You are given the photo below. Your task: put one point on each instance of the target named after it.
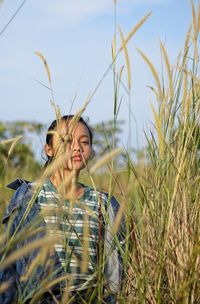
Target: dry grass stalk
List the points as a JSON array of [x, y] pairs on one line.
[[40, 259], [84, 265], [128, 66], [155, 75], [47, 287], [27, 249], [195, 31], [13, 142], [133, 31], [4, 287], [45, 65], [105, 159], [169, 72], [158, 124], [198, 19], [118, 219]]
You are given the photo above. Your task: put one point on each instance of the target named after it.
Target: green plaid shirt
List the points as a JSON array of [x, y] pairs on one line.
[[78, 229]]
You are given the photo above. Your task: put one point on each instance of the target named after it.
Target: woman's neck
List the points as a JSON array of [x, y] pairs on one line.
[[66, 182]]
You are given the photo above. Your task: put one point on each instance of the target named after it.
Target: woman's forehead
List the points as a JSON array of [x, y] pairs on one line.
[[78, 128]]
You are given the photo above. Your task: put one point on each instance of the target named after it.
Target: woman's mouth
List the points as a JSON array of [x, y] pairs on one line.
[[77, 158]]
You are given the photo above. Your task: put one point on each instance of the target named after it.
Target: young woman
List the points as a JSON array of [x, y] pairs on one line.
[[63, 229]]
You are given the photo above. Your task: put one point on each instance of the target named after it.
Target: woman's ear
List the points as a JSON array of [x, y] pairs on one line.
[[48, 150]]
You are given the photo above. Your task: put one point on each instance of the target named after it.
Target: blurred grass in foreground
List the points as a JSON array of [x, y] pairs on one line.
[[160, 196]]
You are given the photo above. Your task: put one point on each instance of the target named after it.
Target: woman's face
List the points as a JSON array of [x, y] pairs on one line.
[[72, 141]]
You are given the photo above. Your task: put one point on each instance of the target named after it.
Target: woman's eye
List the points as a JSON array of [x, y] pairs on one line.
[[85, 142], [62, 139], [69, 140]]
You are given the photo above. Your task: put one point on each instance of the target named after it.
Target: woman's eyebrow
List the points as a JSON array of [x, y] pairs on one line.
[[84, 135]]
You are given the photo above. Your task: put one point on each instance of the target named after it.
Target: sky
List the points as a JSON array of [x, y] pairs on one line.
[[75, 38]]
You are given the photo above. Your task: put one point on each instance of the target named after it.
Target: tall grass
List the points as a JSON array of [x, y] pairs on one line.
[[159, 199], [164, 262]]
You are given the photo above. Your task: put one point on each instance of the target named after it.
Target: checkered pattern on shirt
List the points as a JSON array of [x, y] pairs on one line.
[[77, 226]]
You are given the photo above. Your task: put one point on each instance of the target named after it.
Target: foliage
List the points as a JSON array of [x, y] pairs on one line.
[[17, 158], [104, 136]]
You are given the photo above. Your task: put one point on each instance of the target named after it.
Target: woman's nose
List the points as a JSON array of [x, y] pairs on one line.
[[76, 146]]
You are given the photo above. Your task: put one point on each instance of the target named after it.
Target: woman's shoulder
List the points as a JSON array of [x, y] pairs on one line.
[[17, 183], [108, 199], [22, 192]]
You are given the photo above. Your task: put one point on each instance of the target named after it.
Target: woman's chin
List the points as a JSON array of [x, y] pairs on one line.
[[77, 166]]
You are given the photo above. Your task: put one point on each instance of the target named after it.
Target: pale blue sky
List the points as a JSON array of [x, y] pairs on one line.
[[75, 37]]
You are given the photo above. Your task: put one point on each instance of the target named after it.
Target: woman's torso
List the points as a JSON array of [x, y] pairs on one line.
[[78, 229]]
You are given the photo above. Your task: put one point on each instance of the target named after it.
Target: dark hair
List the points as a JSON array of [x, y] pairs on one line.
[[54, 124]]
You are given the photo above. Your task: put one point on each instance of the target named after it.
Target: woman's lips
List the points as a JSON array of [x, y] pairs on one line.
[[77, 158]]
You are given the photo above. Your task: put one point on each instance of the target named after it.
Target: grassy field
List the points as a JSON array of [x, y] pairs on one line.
[[160, 195]]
